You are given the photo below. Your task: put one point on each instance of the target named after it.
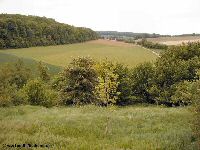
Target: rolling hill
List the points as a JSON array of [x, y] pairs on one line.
[[61, 55]]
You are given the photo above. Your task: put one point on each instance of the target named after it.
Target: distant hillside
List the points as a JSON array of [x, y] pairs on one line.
[[115, 34], [19, 31]]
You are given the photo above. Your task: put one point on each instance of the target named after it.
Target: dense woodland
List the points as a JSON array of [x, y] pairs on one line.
[[19, 31]]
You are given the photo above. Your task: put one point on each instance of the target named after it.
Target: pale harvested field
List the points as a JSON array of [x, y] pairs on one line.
[[175, 40]]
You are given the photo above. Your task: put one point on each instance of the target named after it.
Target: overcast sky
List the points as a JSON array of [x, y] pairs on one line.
[[151, 16]]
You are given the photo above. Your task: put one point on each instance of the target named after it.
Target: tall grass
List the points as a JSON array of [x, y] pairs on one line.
[[92, 127]]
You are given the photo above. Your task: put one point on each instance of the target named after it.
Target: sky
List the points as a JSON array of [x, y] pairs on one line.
[[140, 16]]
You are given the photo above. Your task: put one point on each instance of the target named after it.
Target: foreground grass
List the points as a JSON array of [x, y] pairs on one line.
[[91, 127], [61, 55]]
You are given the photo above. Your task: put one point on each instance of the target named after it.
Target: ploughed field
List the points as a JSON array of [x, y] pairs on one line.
[[61, 55], [96, 128]]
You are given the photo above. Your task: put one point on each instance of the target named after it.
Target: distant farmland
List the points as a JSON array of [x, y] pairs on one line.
[[175, 40], [128, 54]]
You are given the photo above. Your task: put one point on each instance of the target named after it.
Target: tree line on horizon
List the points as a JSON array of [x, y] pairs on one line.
[[20, 31], [118, 35], [135, 36]]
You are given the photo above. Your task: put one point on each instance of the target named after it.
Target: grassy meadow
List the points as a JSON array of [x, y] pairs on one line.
[[61, 55], [96, 128]]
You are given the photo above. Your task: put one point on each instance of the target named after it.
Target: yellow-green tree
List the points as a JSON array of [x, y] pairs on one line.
[[106, 89]]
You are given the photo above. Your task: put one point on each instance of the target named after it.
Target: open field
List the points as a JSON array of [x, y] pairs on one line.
[[92, 127], [175, 40], [61, 55]]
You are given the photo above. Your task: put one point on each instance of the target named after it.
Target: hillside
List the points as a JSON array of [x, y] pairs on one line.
[[19, 31], [61, 55]]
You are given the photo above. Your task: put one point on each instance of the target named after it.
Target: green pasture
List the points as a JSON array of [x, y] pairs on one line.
[[61, 55]]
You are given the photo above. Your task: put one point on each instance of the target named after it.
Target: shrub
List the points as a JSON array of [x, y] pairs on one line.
[[197, 121], [16, 74], [9, 95], [6, 95], [2, 44], [19, 98], [59, 81], [142, 81], [37, 93], [124, 84], [51, 98], [185, 92], [196, 102], [81, 81], [43, 72], [176, 65], [152, 45]]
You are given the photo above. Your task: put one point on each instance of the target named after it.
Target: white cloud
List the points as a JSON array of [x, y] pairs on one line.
[[154, 16]]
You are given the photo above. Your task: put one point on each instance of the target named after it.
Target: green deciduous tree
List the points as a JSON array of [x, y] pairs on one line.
[[81, 81], [142, 81], [178, 64], [124, 84]]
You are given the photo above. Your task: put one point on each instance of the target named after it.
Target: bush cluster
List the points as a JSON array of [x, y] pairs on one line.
[[152, 45]]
